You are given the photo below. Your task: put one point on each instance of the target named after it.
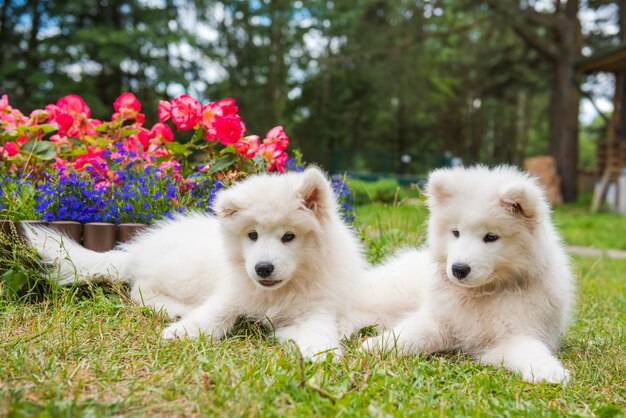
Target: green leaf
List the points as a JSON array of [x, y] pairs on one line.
[[178, 149], [45, 128], [43, 150], [223, 163], [14, 280], [228, 150]]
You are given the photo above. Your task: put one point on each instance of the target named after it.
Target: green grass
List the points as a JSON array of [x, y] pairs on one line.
[[90, 352], [601, 230]]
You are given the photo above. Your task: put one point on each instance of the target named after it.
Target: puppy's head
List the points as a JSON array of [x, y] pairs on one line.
[[272, 224], [482, 224]]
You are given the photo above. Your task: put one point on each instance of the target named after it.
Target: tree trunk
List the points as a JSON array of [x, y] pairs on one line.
[[564, 127]]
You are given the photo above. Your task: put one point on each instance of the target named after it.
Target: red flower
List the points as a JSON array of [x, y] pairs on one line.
[[248, 146], [275, 157], [93, 163], [277, 136], [162, 133], [165, 110], [71, 115], [127, 102], [185, 112], [210, 113], [4, 104], [127, 106], [228, 106], [229, 129], [11, 149]]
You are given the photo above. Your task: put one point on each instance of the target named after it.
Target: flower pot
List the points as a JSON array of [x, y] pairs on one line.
[[21, 227], [99, 236], [126, 232], [70, 229]]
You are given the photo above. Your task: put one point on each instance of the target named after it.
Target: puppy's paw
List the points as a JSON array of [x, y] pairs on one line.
[[319, 354], [546, 373], [381, 343], [180, 330]]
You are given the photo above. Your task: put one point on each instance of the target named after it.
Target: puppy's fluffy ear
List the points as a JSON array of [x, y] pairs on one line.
[[521, 199], [227, 203], [315, 191], [439, 187]]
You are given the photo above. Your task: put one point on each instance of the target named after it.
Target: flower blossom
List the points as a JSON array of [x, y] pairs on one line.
[[71, 115], [185, 112], [229, 129], [277, 136], [128, 107], [275, 157], [248, 146]]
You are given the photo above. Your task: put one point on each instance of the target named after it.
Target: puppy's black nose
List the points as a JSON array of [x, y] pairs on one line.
[[264, 269], [460, 270]]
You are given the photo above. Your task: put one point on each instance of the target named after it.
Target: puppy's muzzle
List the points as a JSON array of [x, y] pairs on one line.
[[264, 269], [461, 270]]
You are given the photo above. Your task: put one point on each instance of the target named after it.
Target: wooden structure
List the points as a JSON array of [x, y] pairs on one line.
[[611, 152]]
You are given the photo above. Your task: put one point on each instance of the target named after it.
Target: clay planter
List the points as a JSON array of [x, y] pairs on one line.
[[126, 232], [21, 227], [70, 229], [99, 236]]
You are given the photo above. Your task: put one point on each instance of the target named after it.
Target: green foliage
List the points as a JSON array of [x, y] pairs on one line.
[[95, 49], [17, 199], [383, 190]]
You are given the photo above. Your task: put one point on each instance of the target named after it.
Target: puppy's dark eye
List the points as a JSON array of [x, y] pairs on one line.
[[289, 236], [490, 237], [456, 233], [253, 235]]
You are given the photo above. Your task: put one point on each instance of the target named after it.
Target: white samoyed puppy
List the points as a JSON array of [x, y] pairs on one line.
[[498, 285], [277, 250]]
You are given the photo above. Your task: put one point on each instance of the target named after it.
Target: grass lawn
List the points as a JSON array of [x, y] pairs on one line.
[[89, 351]]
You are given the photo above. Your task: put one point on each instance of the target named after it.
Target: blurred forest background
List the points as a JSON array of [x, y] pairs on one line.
[[356, 84]]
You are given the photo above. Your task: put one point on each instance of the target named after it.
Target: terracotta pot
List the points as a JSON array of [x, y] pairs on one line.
[[21, 227], [71, 229], [126, 232], [99, 236]]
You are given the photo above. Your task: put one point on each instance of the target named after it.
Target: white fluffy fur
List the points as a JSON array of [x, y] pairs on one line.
[[514, 304], [203, 268]]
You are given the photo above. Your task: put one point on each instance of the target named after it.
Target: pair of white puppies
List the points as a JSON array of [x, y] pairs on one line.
[[492, 281]]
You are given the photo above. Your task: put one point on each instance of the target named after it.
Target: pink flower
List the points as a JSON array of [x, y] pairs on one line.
[[229, 129], [248, 146], [38, 116], [60, 140], [71, 115], [210, 113], [4, 104], [275, 157], [74, 105], [127, 102], [60, 163], [277, 136], [162, 133], [171, 168], [11, 149], [127, 106], [165, 109], [228, 106], [185, 112], [93, 163]]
